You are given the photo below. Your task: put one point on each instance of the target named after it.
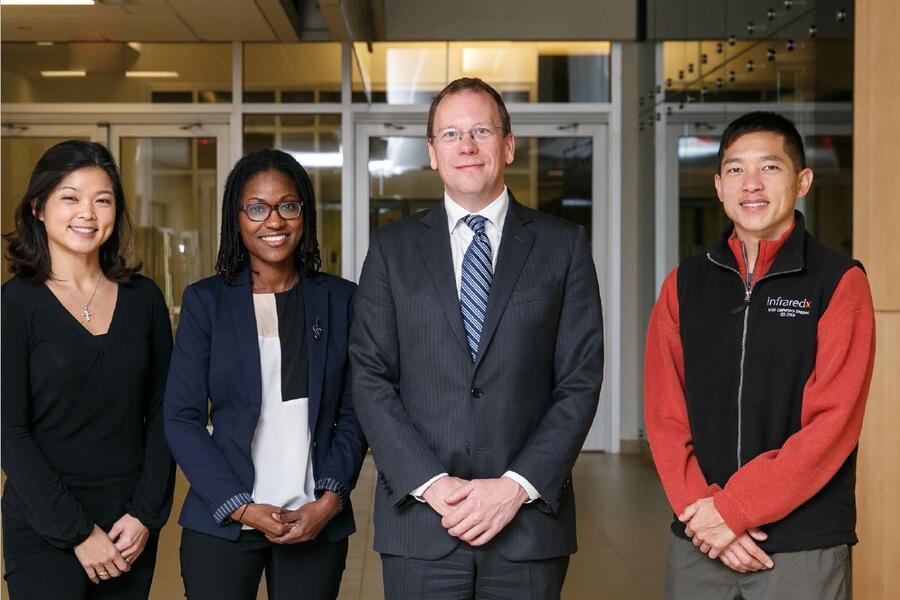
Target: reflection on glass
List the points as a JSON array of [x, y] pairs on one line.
[[19, 156], [315, 141], [828, 207], [716, 71], [549, 174], [303, 72], [170, 184], [413, 72], [116, 72]]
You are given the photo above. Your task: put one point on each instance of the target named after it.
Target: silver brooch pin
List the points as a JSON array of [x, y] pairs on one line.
[[317, 329]]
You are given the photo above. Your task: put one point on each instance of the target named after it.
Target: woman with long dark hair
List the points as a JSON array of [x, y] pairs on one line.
[[261, 356], [85, 351]]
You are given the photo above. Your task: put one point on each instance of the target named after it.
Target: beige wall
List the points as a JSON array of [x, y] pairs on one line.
[[876, 215]]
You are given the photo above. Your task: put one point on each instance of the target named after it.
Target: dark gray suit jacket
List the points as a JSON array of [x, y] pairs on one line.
[[525, 405]]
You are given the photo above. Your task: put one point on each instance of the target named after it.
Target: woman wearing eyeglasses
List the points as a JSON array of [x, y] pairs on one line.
[[261, 356]]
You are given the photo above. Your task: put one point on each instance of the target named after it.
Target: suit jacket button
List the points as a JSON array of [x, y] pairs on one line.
[[476, 392]]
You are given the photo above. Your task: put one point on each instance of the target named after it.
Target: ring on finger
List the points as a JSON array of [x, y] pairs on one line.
[[102, 573]]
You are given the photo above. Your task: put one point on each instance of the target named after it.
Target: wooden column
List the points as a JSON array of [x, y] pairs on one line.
[[876, 242]]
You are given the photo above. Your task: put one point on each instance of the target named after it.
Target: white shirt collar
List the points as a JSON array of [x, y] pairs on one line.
[[495, 212]]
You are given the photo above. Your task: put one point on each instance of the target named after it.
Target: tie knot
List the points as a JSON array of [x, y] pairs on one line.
[[475, 223]]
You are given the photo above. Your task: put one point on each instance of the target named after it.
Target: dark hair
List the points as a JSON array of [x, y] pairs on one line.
[[468, 84], [27, 249], [233, 257], [770, 122]]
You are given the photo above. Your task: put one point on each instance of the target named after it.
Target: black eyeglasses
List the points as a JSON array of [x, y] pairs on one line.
[[260, 211]]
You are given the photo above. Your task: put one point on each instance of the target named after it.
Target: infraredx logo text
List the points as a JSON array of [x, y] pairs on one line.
[[788, 307]]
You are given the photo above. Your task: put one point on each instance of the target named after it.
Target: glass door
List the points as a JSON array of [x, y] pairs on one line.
[[558, 169], [173, 176]]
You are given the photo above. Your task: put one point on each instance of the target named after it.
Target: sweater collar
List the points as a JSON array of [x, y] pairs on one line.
[[783, 254]]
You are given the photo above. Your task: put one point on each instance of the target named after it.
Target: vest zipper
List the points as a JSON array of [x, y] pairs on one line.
[[745, 307]]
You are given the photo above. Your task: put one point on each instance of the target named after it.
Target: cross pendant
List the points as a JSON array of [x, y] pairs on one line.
[[87, 314]]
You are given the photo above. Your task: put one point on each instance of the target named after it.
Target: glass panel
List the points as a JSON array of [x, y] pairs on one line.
[[549, 174], [172, 199], [802, 70], [412, 73], [315, 141], [305, 72], [116, 72], [828, 207], [19, 156]]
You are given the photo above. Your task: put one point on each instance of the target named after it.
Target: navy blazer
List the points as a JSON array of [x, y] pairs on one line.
[[215, 374]]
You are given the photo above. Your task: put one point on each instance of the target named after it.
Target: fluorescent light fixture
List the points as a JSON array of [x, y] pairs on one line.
[[152, 74], [47, 2], [44, 43], [63, 73], [319, 159]]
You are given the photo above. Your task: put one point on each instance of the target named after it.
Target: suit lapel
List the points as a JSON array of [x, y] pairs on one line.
[[515, 245], [435, 247], [315, 303], [240, 302]]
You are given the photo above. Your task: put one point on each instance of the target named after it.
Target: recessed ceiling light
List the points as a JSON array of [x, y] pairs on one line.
[[44, 43], [152, 74], [63, 73], [47, 2]]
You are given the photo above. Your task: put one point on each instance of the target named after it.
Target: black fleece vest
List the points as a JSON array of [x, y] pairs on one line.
[[747, 358]]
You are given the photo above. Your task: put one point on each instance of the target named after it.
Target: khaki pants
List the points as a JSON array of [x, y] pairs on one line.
[[808, 575]]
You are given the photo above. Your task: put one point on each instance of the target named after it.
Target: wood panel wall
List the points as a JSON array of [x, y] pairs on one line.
[[876, 229]]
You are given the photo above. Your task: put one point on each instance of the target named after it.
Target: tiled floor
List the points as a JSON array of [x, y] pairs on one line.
[[623, 529], [622, 535]]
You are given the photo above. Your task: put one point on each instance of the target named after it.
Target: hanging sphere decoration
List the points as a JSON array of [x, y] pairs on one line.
[[788, 4], [770, 14], [719, 82], [750, 28], [813, 30], [791, 45], [704, 59], [668, 111], [720, 47], [841, 15], [680, 75], [732, 76], [750, 66], [732, 40], [770, 54], [690, 67], [659, 116], [668, 82]]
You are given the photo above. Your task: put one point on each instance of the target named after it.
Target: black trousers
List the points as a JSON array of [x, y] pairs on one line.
[[216, 569], [470, 573], [50, 572]]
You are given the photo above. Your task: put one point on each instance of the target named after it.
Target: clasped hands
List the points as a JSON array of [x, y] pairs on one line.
[[104, 556], [282, 526], [705, 526], [475, 511]]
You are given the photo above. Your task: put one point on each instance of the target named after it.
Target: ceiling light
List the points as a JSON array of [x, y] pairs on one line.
[[63, 73], [151, 74], [47, 2]]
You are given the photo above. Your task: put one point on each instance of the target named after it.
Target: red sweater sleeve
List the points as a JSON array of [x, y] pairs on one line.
[[834, 399], [665, 409]]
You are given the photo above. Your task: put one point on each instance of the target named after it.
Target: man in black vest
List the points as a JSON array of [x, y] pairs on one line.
[[758, 362]]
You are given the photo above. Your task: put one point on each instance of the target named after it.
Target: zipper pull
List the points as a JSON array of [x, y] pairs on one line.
[[739, 309]]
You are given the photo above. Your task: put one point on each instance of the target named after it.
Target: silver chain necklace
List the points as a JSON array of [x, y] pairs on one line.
[[292, 284], [86, 313]]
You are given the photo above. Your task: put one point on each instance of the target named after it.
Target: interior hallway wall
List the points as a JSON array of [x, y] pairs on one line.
[[876, 217]]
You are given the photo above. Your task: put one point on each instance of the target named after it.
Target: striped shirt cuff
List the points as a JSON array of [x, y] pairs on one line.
[[223, 513], [328, 484]]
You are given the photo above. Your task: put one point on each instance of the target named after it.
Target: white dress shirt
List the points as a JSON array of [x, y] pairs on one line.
[[460, 237]]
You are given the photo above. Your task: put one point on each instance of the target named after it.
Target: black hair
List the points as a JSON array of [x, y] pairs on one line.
[[27, 249], [770, 122], [468, 84], [233, 257]]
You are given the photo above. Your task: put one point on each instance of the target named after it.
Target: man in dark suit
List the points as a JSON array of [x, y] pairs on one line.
[[477, 353]]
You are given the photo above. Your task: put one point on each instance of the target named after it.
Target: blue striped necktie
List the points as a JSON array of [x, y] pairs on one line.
[[475, 284]]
